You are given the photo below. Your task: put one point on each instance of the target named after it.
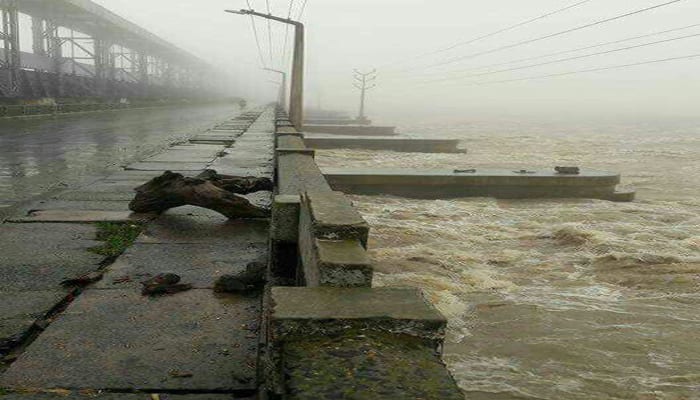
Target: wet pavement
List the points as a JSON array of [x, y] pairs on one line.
[[38, 155]]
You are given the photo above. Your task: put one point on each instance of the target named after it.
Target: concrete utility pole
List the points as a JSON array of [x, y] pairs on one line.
[[296, 101], [364, 83], [283, 88]]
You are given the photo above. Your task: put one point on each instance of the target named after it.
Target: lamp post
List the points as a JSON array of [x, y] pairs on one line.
[[296, 101], [283, 87]]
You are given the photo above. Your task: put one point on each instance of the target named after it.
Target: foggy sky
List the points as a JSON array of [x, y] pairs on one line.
[[389, 34]]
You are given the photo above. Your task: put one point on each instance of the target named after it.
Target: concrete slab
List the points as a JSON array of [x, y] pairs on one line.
[[20, 310], [77, 205], [41, 256], [212, 229], [95, 394], [83, 216], [302, 311], [120, 340], [198, 264], [166, 166], [78, 195], [367, 366], [409, 145], [354, 130], [184, 157], [436, 184]]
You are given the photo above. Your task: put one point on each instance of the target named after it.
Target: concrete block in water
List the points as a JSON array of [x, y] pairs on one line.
[[409, 145], [352, 130], [445, 184]]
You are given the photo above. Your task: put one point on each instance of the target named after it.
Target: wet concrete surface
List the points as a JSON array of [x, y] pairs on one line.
[[41, 154]]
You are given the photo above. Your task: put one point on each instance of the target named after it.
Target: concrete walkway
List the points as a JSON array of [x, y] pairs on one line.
[[107, 338]]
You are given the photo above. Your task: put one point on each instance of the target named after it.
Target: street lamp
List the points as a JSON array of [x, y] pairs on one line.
[[283, 87], [296, 101]]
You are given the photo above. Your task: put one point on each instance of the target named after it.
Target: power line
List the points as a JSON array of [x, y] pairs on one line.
[[488, 35], [269, 31], [560, 33], [591, 70], [257, 38], [303, 7], [582, 48], [570, 58], [286, 32]]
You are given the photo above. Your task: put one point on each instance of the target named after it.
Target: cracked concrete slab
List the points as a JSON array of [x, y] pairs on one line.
[[214, 229], [166, 166], [93, 394], [83, 216], [40, 256], [197, 264], [120, 340], [20, 310]]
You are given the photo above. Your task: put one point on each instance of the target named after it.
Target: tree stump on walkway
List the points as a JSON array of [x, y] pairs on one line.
[[209, 190]]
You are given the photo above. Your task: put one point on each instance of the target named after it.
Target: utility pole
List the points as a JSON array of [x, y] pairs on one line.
[[283, 88], [296, 101], [363, 82]]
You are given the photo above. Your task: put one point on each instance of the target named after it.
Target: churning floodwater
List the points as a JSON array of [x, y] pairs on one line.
[[555, 299]]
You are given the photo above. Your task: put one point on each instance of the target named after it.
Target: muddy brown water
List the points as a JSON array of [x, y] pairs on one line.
[[555, 299], [38, 155]]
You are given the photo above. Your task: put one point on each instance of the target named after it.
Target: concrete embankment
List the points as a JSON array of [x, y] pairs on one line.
[[330, 334]]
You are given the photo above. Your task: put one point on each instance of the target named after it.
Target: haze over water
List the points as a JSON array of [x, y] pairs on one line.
[[555, 299]]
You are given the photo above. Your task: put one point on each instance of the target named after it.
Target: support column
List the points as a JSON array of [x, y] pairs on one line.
[[55, 51], [38, 37], [104, 68], [296, 105], [12, 59]]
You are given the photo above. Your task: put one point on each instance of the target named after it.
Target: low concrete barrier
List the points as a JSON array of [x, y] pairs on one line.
[[332, 242], [336, 322]]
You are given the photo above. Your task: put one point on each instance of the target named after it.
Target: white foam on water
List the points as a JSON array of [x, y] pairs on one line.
[[555, 299]]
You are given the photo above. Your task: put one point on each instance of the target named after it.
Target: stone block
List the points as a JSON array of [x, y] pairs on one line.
[[335, 263], [321, 311], [284, 225], [331, 216], [82, 216]]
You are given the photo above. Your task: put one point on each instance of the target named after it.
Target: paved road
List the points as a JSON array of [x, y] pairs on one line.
[[38, 155]]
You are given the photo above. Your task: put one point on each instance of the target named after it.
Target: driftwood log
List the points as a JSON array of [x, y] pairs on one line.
[[209, 190]]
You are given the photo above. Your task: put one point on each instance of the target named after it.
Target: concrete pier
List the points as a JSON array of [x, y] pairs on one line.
[[507, 184], [400, 144], [351, 130]]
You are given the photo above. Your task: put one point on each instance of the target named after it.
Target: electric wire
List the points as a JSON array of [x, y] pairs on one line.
[[303, 8], [269, 32], [257, 38], [567, 59], [492, 34], [592, 70], [552, 35], [286, 32], [582, 48]]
